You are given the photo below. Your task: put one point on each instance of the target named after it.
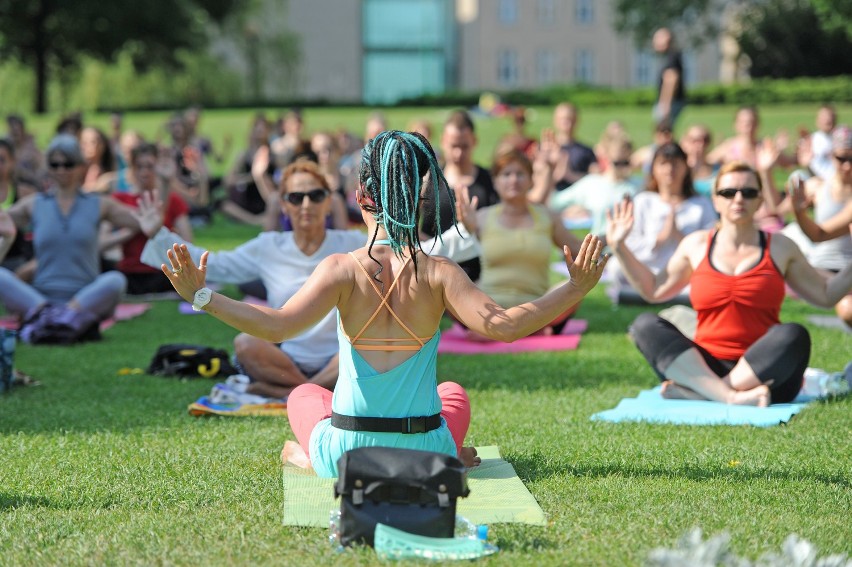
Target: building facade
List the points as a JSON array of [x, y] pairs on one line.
[[379, 51]]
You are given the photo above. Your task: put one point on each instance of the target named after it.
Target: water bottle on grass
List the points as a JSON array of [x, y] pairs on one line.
[[819, 383]]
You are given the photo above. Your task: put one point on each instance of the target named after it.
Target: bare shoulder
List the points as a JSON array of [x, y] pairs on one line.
[[694, 246], [783, 251], [697, 239]]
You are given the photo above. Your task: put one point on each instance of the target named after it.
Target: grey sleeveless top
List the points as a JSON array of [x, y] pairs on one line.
[[66, 246], [836, 253]]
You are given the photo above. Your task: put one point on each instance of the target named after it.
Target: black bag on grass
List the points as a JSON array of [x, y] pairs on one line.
[[414, 491], [191, 360]]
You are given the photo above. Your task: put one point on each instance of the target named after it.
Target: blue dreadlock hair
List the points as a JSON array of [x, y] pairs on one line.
[[393, 165]]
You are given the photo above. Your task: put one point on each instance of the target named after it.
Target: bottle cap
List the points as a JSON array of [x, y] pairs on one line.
[[482, 532]]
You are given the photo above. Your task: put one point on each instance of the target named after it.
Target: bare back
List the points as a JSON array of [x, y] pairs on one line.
[[417, 302]]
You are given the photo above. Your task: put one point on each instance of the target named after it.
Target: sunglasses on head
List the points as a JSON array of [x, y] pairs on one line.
[[61, 165], [843, 159], [747, 192], [297, 197]]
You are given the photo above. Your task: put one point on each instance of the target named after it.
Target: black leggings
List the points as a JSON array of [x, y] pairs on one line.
[[781, 355]]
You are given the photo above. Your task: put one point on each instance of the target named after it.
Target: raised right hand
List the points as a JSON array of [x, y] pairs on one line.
[[149, 214], [798, 197], [466, 208], [619, 222]]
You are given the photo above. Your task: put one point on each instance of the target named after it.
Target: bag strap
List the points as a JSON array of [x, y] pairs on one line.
[[406, 425]]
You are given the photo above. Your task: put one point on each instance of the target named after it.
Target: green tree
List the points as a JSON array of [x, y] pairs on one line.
[[781, 38], [51, 35], [787, 38], [835, 15], [640, 18]]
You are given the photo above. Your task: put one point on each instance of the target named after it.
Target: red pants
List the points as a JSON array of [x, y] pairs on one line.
[[309, 404]]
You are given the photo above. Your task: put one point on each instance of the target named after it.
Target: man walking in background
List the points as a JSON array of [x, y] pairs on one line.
[[671, 95]]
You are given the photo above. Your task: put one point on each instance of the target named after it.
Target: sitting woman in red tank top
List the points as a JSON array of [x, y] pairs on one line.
[[742, 353]]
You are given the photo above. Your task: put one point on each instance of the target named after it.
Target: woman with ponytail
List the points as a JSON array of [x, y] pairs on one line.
[[390, 296]]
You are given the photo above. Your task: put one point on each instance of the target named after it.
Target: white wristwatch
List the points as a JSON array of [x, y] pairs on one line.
[[202, 298]]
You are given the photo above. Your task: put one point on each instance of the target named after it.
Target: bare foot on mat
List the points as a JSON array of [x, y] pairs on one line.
[[758, 396], [672, 391], [468, 457], [293, 454]]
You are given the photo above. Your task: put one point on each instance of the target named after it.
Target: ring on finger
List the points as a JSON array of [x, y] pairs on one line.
[[177, 272]]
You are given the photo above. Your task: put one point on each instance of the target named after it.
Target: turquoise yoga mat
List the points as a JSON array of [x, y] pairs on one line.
[[650, 406]]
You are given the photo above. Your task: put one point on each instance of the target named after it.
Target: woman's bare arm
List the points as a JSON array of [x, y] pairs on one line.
[[479, 313], [319, 295]]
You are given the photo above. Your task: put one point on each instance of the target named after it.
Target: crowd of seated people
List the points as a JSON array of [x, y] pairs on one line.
[[536, 188]]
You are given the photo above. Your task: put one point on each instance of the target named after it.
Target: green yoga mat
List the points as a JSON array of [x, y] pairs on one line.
[[497, 495]]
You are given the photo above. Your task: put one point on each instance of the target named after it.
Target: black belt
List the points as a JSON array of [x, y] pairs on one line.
[[420, 424]]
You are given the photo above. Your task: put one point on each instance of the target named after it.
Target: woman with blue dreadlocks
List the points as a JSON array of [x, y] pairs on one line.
[[390, 297]]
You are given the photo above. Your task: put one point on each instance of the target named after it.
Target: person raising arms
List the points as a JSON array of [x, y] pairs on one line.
[[742, 353], [390, 297]]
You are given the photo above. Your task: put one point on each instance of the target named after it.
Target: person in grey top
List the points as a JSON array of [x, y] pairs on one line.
[[65, 223]]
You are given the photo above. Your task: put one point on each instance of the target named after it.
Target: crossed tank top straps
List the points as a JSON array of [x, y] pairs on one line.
[[354, 341]]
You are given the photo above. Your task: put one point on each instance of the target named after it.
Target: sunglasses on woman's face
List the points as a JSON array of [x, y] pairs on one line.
[[843, 159], [61, 165], [747, 192], [297, 197]]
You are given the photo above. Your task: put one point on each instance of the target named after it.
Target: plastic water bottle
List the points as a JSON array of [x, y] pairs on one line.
[[819, 383], [334, 529], [467, 529]]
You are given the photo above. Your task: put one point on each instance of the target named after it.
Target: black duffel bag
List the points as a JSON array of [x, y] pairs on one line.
[[191, 360], [414, 491]]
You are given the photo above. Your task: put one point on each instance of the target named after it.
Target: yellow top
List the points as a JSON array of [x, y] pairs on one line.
[[516, 261]]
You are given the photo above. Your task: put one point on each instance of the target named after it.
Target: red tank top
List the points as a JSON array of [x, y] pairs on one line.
[[735, 310]]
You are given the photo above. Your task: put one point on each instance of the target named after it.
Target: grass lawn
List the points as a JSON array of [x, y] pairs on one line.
[[102, 468]]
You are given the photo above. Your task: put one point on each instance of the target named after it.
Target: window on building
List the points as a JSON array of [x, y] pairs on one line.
[[584, 11], [584, 66], [643, 67], [508, 11], [507, 67], [547, 12], [545, 67]]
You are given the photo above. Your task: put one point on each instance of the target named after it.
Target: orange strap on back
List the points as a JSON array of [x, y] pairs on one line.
[[420, 341]]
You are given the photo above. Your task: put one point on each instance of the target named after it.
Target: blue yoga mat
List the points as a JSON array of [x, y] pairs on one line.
[[650, 406]]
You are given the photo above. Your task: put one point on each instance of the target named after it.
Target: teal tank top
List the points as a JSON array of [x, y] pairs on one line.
[[410, 389]]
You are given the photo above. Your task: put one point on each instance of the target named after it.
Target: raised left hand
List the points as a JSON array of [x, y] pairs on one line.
[[586, 269], [185, 276], [7, 225]]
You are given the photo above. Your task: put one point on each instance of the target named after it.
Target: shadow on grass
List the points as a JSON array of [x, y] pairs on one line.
[[13, 501], [540, 467]]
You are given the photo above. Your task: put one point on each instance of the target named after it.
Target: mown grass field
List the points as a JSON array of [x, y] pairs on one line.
[[97, 467]]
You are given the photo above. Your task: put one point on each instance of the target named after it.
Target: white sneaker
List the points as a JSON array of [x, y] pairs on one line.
[[224, 394], [238, 382]]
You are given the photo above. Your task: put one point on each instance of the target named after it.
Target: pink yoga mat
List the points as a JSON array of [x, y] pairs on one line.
[[453, 341]]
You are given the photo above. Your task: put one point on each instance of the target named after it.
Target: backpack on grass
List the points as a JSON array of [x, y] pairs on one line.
[[191, 360]]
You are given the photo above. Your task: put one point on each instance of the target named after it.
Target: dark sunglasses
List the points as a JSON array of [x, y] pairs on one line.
[[621, 163], [843, 159], [61, 165], [747, 193], [315, 195]]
